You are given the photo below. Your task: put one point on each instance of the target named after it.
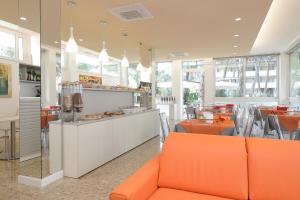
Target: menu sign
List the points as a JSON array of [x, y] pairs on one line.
[[86, 79]]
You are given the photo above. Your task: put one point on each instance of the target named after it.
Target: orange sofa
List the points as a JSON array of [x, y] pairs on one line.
[[208, 167]]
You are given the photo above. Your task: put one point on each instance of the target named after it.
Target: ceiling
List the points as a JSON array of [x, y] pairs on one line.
[[281, 28], [202, 28], [11, 10]]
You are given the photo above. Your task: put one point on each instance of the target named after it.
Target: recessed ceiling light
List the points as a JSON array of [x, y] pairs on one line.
[[238, 19], [23, 18], [80, 40], [56, 42], [236, 35], [235, 46]]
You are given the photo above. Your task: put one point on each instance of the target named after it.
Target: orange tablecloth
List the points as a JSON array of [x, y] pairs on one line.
[[226, 116], [46, 117], [289, 122], [212, 127], [267, 111]]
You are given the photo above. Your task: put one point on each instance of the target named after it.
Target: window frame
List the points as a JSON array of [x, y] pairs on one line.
[[258, 99], [138, 73], [292, 99], [156, 67], [243, 74], [16, 36]]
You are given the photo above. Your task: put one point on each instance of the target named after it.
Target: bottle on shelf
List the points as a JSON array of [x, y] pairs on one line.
[[33, 76], [28, 75]]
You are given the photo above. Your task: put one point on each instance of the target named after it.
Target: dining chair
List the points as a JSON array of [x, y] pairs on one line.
[[165, 128], [248, 129], [191, 113], [239, 118], [272, 124], [258, 118]]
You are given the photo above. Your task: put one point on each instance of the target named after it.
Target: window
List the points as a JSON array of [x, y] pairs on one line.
[[7, 45], [261, 76], [193, 83], [253, 76], [133, 76], [229, 77], [164, 79], [88, 63], [196, 64], [295, 73], [35, 50], [113, 68]]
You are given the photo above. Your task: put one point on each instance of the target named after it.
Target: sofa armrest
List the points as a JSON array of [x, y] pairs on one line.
[[140, 185]]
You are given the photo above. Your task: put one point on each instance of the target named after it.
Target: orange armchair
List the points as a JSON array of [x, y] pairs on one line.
[[140, 185], [191, 167], [209, 167]]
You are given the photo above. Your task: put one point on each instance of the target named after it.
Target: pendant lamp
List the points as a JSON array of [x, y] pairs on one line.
[[71, 46]]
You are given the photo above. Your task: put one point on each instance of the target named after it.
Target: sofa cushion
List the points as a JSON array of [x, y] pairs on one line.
[[206, 164], [274, 169], [172, 194]]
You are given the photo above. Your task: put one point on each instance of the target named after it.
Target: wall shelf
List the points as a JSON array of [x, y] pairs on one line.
[[33, 82]]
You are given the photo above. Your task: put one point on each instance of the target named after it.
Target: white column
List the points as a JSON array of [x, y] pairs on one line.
[[124, 76], [153, 78], [283, 76], [209, 83], [177, 90], [49, 96]]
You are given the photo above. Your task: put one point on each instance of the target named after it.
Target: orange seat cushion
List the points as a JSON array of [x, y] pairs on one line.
[[206, 164], [171, 194], [274, 169]]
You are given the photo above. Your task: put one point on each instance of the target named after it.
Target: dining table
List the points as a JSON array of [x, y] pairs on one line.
[[203, 126], [289, 121], [271, 111]]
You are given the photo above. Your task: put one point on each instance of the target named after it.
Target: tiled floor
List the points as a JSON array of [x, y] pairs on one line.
[[95, 185]]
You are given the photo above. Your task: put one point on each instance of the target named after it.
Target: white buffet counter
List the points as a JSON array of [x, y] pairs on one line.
[[90, 144]]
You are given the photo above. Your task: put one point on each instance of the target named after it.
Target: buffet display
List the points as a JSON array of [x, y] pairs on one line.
[[122, 111], [97, 116], [117, 88], [71, 100]]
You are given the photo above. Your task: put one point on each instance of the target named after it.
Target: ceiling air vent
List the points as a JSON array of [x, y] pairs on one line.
[[132, 12], [179, 54]]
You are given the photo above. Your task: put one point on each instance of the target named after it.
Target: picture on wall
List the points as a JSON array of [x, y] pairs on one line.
[[5, 80]]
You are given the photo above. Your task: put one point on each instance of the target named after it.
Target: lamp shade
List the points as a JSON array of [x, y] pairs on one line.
[[125, 62], [103, 56], [71, 46], [139, 67]]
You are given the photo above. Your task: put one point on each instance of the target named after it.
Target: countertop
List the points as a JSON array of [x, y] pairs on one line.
[[83, 122]]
